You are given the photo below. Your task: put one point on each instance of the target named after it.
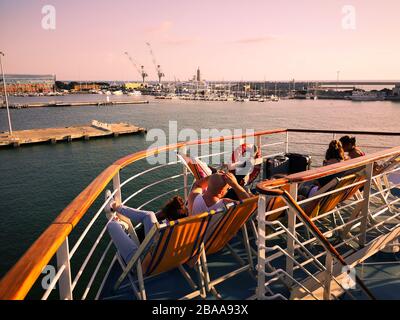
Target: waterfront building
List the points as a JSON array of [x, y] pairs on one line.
[[133, 85], [86, 86], [27, 83]]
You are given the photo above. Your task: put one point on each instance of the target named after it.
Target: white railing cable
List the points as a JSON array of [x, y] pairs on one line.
[[147, 171], [96, 270], [151, 185], [85, 262], [99, 291], [160, 196], [88, 227]]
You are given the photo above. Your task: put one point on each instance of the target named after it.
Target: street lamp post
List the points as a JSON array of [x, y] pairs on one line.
[[5, 94]]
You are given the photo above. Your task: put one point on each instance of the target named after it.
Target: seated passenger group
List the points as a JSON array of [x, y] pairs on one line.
[[207, 194], [335, 153]]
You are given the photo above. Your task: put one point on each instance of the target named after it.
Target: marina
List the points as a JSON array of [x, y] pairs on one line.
[[67, 134]]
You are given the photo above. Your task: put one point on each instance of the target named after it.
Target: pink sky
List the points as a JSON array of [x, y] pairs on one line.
[[249, 40]]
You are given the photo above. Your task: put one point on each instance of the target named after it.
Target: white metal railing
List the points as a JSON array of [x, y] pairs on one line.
[[291, 241]]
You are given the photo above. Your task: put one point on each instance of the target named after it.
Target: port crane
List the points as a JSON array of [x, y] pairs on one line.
[[160, 74], [140, 70]]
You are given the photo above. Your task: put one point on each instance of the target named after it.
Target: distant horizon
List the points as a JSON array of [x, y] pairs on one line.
[[258, 39]]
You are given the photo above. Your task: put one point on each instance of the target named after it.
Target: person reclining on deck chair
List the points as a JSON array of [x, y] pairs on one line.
[[173, 210], [208, 193], [334, 154]]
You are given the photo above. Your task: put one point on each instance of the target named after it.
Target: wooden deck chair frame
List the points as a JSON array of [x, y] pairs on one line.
[[157, 254], [332, 201], [231, 223], [324, 204]]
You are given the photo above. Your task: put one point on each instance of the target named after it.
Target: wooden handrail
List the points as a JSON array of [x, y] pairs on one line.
[[317, 173], [21, 277], [19, 280]]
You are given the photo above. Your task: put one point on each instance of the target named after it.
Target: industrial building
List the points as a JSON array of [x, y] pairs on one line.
[[133, 85], [86, 86], [27, 83]]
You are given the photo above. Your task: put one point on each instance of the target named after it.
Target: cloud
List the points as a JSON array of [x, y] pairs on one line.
[[251, 40], [163, 27]]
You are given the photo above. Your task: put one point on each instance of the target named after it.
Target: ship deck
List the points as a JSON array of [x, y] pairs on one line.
[[381, 274]]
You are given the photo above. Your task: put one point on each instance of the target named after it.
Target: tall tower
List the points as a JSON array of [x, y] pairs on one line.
[[198, 74]]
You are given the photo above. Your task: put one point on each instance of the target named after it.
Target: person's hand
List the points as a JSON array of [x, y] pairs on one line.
[[230, 179], [202, 183]]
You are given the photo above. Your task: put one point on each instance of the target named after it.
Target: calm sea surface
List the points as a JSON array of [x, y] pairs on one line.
[[38, 182]]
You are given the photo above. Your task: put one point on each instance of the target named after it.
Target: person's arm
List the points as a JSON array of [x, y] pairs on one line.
[[197, 189], [239, 190]]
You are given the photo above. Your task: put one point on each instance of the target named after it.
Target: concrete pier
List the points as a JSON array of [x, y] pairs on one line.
[[96, 129], [72, 104]]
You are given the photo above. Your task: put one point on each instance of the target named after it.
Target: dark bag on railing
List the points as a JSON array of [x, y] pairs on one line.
[[278, 165], [298, 162]]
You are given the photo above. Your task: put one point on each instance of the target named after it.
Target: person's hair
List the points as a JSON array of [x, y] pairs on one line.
[[175, 209], [216, 184], [347, 140], [335, 151]]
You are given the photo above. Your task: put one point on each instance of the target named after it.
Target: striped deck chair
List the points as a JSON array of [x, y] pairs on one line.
[[167, 246], [274, 203], [331, 201], [223, 229], [321, 205]]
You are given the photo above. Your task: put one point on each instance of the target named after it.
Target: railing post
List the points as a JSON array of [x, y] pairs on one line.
[[118, 199], [261, 248], [365, 206], [259, 146], [287, 142], [185, 175], [292, 230], [117, 186], [328, 276], [64, 283]]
